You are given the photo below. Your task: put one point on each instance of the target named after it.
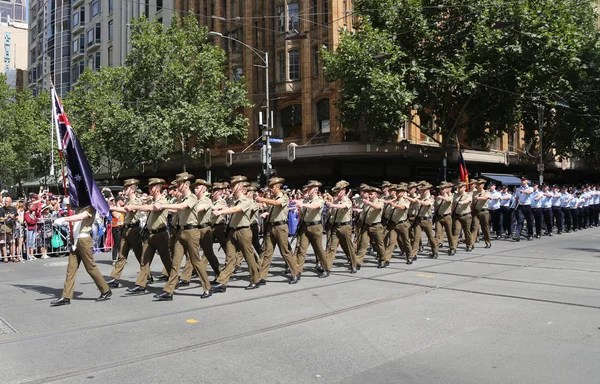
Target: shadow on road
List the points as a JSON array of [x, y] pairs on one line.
[[51, 292], [584, 249]]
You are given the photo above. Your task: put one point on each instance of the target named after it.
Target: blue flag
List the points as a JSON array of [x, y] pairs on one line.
[[83, 190]]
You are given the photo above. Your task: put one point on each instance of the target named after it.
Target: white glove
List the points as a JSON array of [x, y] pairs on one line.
[[60, 221]]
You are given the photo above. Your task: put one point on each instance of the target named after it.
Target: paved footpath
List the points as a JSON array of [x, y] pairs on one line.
[[525, 312]]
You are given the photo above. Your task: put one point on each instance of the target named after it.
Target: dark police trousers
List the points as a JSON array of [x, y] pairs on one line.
[[548, 219], [524, 213], [538, 216]]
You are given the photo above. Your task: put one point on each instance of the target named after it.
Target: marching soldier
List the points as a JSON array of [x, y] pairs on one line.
[[443, 216], [536, 208], [239, 236], [131, 238], [399, 225], [187, 240], [389, 194], [252, 189], [371, 231], [547, 209], [218, 221], [564, 206], [423, 220], [340, 220], [461, 215], [82, 252], [158, 235], [311, 230], [481, 215], [494, 205], [277, 231], [505, 200], [523, 196], [556, 209]]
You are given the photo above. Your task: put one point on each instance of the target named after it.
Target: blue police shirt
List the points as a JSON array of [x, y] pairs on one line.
[[494, 201], [524, 198]]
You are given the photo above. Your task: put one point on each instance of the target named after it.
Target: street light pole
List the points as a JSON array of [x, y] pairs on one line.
[[540, 109], [267, 127]]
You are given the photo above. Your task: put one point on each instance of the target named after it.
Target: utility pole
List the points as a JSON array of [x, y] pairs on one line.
[[540, 109]]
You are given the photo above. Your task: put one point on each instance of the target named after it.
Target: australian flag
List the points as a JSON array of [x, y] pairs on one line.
[[83, 190], [462, 166]]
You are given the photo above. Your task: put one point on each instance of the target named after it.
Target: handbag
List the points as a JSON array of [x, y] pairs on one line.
[[57, 241]]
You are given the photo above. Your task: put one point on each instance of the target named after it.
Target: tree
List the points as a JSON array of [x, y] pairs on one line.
[[455, 70]]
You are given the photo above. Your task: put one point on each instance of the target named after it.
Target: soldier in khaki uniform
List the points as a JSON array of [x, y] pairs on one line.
[[239, 236], [82, 252], [188, 239], [412, 197], [204, 207], [311, 229], [372, 230], [277, 231], [158, 235], [218, 222], [398, 225], [443, 216], [423, 222], [461, 215], [340, 220], [481, 213], [251, 190], [131, 238], [387, 213]]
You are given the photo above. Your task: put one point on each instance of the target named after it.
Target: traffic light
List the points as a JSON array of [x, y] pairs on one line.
[[207, 158], [273, 173]]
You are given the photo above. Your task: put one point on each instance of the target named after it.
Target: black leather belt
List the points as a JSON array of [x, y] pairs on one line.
[[190, 226], [159, 230], [132, 225], [342, 223], [277, 223], [482, 210], [205, 225], [463, 215], [445, 215], [400, 222], [374, 224], [426, 218], [312, 223], [254, 225], [242, 227]]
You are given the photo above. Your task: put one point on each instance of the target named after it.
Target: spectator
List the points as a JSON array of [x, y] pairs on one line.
[[118, 219], [8, 214], [19, 229], [44, 231], [31, 219]]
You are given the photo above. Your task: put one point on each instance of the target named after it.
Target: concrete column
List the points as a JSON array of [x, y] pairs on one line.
[[306, 74], [335, 13]]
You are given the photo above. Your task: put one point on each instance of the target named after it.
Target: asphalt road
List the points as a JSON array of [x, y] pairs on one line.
[[523, 312]]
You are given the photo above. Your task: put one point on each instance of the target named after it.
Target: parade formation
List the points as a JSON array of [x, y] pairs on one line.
[[190, 216]]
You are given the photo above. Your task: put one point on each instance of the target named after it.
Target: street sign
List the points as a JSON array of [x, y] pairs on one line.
[[540, 167], [275, 140]]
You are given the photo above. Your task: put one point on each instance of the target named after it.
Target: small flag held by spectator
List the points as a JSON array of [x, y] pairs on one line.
[[83, 190]]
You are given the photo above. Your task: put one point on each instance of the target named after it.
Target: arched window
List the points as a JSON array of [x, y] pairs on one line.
[[294, 64]]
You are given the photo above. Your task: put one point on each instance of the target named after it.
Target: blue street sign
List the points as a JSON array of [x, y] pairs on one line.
[[275, 140]]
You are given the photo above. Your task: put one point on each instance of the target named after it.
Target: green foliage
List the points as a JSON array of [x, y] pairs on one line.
[[171, 92], [454, 68], [25, 139]]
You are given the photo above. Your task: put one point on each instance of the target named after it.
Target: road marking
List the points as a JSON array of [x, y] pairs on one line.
[[430, 277], [191, 321], [421, 275]]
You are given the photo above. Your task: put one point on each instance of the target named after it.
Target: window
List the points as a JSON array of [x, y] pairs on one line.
[[97, 61], [81, 66], [233, 9], [90, 37], [159, 5], [325, 15], [316, 61], [110, 30], [315, 13], [293, 13], [294, 64], [111, 6], [98, 32], [110, 56], [95, 8], [291, 120], [81, 43], [75, 45], [82, 15], [75, 19], [235, 46], [237, 74], [323, 116], [280, 18], [281, 63]]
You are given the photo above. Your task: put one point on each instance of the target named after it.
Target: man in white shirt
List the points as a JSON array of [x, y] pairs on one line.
[[523, 196]]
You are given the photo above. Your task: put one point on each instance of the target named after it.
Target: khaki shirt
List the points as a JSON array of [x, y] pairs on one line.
[[86, 224], [313, 215], [425, 210], [478, 205], [243, 218], [253, 212], [188, 215], [373, 215], [443, 207], [205, 215], [218, 219], [132, 217], [158, 219], [279, 212], [344, 214], [387, 208], [414, 207], [398, 214], [460, 209]]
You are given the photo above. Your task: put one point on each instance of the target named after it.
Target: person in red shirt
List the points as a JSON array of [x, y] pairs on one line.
[[31, 219]]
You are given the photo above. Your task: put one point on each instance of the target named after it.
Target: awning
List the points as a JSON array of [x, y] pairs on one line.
[[502, 178]]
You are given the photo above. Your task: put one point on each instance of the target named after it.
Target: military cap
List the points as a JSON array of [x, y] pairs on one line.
[[443, 185], [342, 184], [461, 184], [375, 189], [412, 184], [238, 179], [479, 181], [202, 182], [386, 184], [524, 177], [425, 185], [252, 187], [276, 180], [156, 180], [364, 187], [217, 186], [314, 183], [401, 187], [130, 182]]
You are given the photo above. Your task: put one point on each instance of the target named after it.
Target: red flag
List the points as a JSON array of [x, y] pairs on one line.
[[462, 166]]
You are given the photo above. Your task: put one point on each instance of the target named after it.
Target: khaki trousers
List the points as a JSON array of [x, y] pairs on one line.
[[156, 242], [83, 253], [239, 241], [389, 241], [465, 223], [277, 236], [206, 243], [445, 224], [314, 235], [481, 220], [426, 226], [131, 240], [399, 234], [373, 235], [341, 235], [220, 234], [188, 241]]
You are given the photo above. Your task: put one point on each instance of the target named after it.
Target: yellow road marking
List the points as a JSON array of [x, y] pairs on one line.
[[191, 321]]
